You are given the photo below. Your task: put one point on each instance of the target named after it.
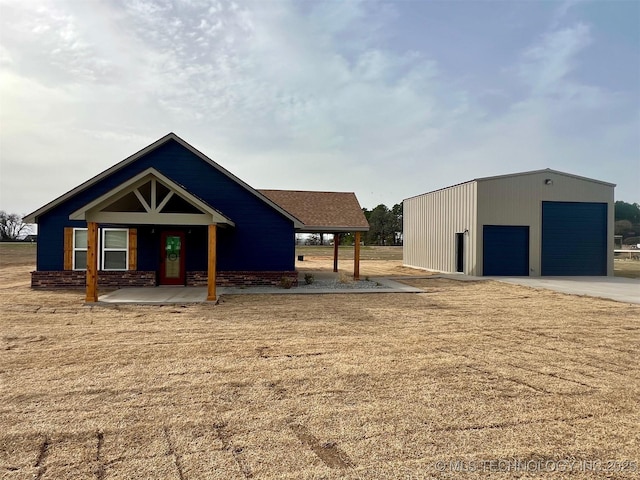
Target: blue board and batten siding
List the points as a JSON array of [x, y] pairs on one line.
[[574, 238], [506, 250], [262, 239]]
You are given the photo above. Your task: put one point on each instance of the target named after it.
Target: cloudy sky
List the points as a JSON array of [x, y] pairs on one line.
[[387, 99]]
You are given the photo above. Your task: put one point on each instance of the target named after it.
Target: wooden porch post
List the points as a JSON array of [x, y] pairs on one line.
[[336, 241], [356, 257], [211, 265], [92, 262]]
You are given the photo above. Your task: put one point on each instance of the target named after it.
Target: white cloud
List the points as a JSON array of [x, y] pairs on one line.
[[548, 63], [285, 95], [562, 11]]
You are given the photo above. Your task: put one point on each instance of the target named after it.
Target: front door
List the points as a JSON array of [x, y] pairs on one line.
[[172, 258]]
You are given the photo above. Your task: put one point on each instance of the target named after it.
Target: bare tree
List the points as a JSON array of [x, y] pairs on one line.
[[313, 239], [12, 226]]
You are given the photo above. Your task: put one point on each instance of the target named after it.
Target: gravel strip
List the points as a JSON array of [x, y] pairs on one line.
[[337, 285]]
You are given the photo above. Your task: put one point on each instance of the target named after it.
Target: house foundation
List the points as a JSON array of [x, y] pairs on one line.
[[76, 279]]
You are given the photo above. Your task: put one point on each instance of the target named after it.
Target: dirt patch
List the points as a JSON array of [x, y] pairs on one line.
[[328, 452], [227, 444]]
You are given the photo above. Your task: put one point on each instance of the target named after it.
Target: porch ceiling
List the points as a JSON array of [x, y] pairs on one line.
[[150, 198]]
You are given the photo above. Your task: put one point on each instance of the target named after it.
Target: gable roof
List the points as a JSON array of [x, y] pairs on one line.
[[322, 211], [33, 216], [544, 170], [519, 174], [211, 215]]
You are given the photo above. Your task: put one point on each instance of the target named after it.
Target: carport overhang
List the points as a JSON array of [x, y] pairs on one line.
[[330, 229], [337, 231], [325, 212]]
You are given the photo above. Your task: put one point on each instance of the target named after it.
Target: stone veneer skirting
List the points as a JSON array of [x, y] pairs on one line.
[[71, 279], [242, 278], [78, 279]]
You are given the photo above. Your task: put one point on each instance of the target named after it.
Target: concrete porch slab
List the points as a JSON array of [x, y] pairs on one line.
[[156, 295], [385, 285], [173, 295]]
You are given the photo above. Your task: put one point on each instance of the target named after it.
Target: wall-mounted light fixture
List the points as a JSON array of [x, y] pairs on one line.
[[466, 231], [548, 181]]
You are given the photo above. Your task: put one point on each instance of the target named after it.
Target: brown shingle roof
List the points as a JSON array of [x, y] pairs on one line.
[[321, 211]]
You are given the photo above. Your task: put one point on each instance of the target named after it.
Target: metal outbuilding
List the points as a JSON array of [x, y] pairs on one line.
[[538, 223]]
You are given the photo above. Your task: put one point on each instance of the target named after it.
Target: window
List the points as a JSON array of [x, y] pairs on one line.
[[115, 248], [79, 249]]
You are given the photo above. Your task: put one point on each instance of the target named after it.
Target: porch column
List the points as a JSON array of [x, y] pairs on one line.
[[92, 262], [336, 241], [211, 265], [356, 257]]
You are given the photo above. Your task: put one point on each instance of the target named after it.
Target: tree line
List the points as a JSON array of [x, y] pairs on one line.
[[627, 224], [385, 225]]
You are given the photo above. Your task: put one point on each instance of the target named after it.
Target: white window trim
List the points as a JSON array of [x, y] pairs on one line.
[[125, 249], [100, 249], [77, 249]]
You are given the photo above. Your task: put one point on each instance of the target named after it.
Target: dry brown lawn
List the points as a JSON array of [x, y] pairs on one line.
[[374, 261], [318, 386], [367, 252], [372, 255], [629, 268]]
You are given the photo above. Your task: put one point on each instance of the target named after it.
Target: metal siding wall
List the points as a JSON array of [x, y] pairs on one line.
[[518, 200], [430, 224]]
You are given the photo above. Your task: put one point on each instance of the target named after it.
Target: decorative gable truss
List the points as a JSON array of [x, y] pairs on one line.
[[150, 198]]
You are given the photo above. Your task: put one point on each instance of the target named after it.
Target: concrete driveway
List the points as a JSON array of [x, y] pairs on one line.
[[614, 288]]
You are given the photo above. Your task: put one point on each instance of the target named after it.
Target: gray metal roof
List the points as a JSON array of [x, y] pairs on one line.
[[519, 174]]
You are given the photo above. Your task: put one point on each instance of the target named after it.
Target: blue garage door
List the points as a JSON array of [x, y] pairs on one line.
[[574, 238], [505, 250]]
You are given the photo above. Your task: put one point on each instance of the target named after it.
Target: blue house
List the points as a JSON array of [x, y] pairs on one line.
[[169, 215]]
